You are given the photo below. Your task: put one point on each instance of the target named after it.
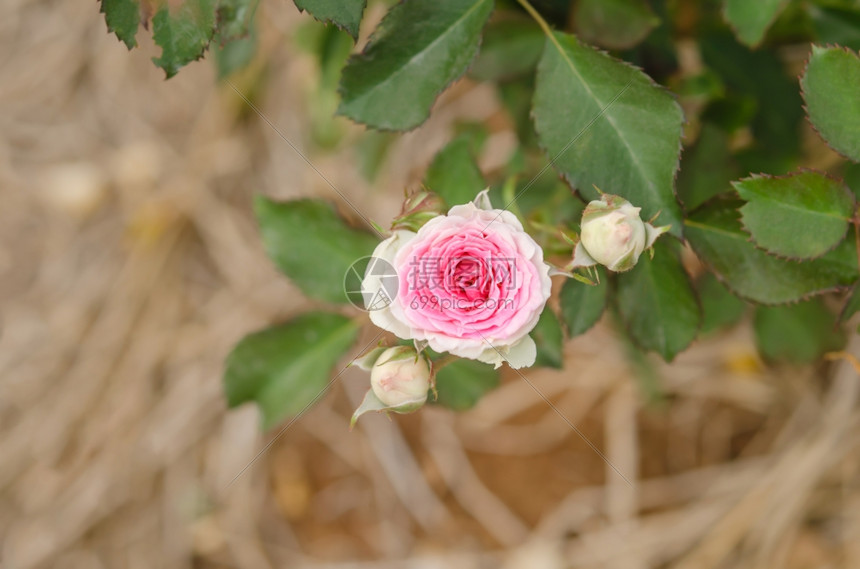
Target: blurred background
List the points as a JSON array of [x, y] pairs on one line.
[[130, 264]]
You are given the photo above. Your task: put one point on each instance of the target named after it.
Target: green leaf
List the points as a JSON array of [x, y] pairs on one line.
[[801, 216], [834, 24], [462, 383], [658, 304], [548, 337], [311, 244], [122, 18], [604, 123], [760, 78], [716, 235], [851, 306], [235, 54], [582, 304], [182, 33], [511, 47], [829, 87], [345, 14], [234, 19], [419, 48], [614, 24], [720, 308], [751, 19], [799, 333], [707, 168], [286, 367], [851, 177], [453, 174]]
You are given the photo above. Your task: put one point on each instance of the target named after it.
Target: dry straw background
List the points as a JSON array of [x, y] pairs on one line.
[[130, 264]]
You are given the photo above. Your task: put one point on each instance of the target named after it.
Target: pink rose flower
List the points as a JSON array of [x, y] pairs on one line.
[[471, 283]]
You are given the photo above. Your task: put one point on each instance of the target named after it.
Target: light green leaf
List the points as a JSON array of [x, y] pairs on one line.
[[720, 308], [511, 47], [419, 48], [799, 333], [454, 174], [717, 237], [829, 87], [604, 123], [122, 18], [751, 19], [707, 168], [582, 304], [287, 367], [657, 303], [801, 216], [614, 24], [311, 244], [182, 33], [548, 337], [462, 383], [345, 14]]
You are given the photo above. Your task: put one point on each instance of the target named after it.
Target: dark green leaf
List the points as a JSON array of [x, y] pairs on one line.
[[851, 306], [799, 333], [834, 24], [614, 24], [801, 216], [420, 47], [286, 367], [751, 19], [311, 244], [830, 90], [604, 123], [511, 47], [851, 176], [759, 77], [716, 235], [183, 33], [122, 18], [462, 383], [548, 337], [582, 304], [707, 168], [345, 14], [720, 308], [453, 174], [658, 304]]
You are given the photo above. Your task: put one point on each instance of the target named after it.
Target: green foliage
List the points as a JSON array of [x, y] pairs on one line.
[[614, 24], [454, 174], [798, 333], [658, 304], [604, 123], [182, 34], [707, 168], [582, 304], [800, 216], [830, 90], [345, 14], [419, 48], [720, 308], [462, 383], [717, 237], [234, 54], [548, 337], [234, 19], [311, 244], [122, 18], [287, 367], [837, 24], [511, 48], [851, 306], [752, 19]]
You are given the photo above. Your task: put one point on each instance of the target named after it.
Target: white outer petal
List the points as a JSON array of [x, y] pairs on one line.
[[384, 318], [520, 354]]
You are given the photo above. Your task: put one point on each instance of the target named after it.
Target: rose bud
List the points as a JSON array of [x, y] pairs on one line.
[[613, 235], [418, 209], [400, 378]]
